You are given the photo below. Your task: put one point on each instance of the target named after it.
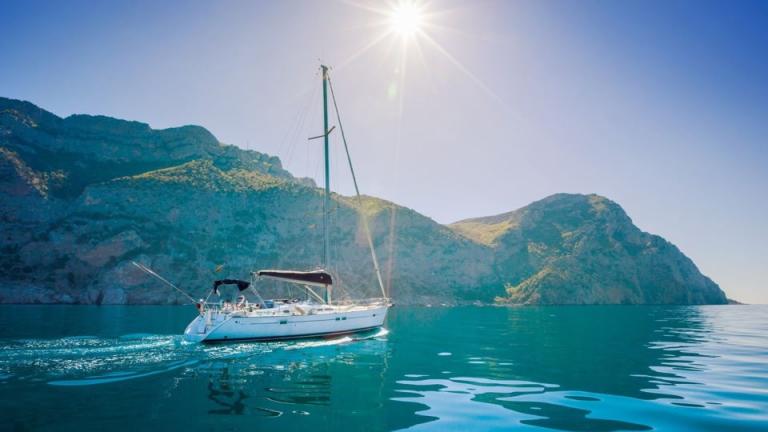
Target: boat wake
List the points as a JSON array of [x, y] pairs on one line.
[[118, 376], [91, 360]]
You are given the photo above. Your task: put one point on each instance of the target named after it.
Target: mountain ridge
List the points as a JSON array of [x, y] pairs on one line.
[[85, 195]]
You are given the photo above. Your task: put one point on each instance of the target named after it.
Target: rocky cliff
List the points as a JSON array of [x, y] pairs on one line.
[[83, 196], [584, 249]]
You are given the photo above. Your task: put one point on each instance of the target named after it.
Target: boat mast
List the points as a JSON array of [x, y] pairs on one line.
[[326, 198]]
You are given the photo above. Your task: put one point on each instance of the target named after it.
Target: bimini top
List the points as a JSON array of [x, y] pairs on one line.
[[317, 277], [241, 285]]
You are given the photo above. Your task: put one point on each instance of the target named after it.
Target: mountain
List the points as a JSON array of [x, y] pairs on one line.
[[83, 196], [584, 249]]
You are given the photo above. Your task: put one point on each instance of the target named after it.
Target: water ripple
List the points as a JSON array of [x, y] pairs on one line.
[[479, 369]]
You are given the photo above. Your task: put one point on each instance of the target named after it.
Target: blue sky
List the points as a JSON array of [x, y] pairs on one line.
[[658, 105]]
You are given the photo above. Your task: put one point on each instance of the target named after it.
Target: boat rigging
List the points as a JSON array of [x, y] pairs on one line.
[[291, 318]]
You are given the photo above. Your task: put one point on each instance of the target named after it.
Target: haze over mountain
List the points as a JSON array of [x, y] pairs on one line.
[[83, 196]]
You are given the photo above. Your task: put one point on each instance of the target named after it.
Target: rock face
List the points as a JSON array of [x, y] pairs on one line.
[[83, 196], [583, 249]]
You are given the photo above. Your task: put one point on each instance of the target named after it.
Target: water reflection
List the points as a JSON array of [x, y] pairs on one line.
[[293, 379], [560, 368], [221, 393]]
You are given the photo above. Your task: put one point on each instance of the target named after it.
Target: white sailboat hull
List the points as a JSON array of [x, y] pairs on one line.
[[223, 327]]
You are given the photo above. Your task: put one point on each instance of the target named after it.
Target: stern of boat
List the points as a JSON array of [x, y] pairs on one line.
[[197, 330]]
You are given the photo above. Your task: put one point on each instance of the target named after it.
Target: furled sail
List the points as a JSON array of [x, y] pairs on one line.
[[241, 285], [318, 277]]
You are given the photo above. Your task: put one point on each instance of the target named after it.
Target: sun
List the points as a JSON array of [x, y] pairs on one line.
[[417, 26], [406, 19]]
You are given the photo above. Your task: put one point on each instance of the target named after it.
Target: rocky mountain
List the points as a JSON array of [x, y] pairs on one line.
[[584, 249], [83, 196]]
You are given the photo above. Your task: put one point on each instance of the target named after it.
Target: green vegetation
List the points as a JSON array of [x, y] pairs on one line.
[[85, 195], [204, 175], [584, 249], [482, 233]]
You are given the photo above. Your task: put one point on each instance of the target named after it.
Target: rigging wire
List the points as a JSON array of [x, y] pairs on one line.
[[300, 125], [363, 217], [299, 128], [149, 271]]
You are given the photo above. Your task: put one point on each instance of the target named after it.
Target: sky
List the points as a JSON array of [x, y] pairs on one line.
[[661, 106]]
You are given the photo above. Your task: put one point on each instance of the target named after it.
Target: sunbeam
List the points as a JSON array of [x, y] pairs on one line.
[[410, 22], [440, 49], [375, 41]]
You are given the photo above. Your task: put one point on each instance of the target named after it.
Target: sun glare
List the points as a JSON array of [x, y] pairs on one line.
[[415, 24], [406, 19]]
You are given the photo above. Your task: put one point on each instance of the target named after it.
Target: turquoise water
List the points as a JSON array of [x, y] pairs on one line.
[[599, 368]]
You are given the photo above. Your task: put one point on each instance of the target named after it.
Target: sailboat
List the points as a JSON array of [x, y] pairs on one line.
[[318, 314]]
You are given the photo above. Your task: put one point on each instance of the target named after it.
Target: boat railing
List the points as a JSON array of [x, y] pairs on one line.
[[225, 306], [363, 302], [230, 306]]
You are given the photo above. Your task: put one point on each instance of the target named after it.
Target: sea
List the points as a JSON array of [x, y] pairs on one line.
[[561, 368]]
